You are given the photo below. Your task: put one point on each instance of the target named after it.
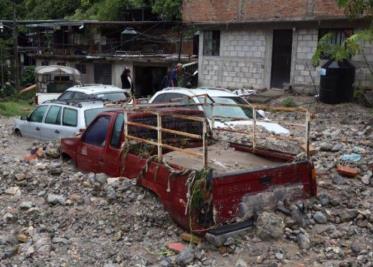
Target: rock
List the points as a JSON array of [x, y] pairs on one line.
[[56, 199], [326, 146], [53, 152], [14, 191], [303, 241], [324, 199], [356, 246], [240, 263], [42, 244], [185, 257], [22, 238], [338, 180], [320, 217], [347, 215], [26, 205], [279, 256], [101, 178], [366, 178], [55, 169], [166, 262], [110, 193], [337, 147], [20, 176], [269, 226]]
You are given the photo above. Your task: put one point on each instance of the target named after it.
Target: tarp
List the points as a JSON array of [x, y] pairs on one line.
[[56, 69]]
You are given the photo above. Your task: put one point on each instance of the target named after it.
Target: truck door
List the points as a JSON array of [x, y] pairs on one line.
[[112, 154], [90, 154]]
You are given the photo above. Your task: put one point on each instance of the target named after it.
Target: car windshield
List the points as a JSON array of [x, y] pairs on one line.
[[229, 113], [113, 96], [90, 114]]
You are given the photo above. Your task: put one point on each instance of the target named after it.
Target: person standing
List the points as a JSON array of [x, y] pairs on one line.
[[177, 76], [127, 83]]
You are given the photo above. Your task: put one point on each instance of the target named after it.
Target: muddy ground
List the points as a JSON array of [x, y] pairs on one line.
[[53, 215]]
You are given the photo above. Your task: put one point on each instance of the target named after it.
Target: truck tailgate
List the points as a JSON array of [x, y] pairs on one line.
[[242, 194]]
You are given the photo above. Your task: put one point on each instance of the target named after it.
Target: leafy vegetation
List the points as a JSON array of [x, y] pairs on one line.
[[86, 9], [15, 107], [352, 45], [288, 102]]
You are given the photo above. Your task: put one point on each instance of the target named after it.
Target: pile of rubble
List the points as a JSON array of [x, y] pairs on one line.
[[52, 214]]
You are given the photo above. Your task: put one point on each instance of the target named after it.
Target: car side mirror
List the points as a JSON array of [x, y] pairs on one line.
[[262, 113], [25, 118]]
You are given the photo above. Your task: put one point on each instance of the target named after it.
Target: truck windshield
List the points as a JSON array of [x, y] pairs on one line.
[[229, 113], [90, 114]]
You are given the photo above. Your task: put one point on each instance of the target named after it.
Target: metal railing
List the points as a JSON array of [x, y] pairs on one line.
[[252, 131], [159, 129]]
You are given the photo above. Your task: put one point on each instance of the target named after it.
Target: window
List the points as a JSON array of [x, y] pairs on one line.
[[112, 96], [96, 132], [211, 43], [227, 112], [38, 114], [54, 115], [90, 114], [79, 95], [117, 131], [338, 35], [70, 117], [81, 67], [66, 96]]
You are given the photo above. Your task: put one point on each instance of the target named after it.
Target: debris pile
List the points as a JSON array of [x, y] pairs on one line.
[[52, 214]]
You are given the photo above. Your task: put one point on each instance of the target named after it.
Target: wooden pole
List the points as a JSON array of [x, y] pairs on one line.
[[204, 143], [308, 124], [159, 135], [254, 128]]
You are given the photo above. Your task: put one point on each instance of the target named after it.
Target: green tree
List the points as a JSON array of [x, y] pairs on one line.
[[353, 44]]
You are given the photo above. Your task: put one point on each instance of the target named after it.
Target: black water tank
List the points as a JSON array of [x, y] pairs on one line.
[[336, 79]]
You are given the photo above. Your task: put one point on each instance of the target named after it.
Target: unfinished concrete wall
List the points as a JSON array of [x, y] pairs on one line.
[[304, 76], [362, 63], [241, 63]]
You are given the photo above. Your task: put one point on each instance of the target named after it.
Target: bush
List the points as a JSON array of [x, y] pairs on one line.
[[288, 102]]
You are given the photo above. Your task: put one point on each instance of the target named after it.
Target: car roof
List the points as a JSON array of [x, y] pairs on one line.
[[76, 104], [213, 92], [95, 89]]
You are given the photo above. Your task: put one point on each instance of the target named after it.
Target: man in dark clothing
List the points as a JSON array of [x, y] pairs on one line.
[[127, 80]]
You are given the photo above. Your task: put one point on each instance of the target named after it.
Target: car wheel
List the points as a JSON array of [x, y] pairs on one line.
[[17, 132]]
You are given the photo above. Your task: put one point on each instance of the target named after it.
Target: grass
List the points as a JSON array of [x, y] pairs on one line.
[[288, 102], [15, 107]]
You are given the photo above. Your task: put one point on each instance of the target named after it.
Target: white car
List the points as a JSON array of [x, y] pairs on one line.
[[94, 91], [243, 116], [57, 119]]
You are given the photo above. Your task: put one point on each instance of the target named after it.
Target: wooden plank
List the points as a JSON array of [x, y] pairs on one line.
[[195, 136], [185, 151]]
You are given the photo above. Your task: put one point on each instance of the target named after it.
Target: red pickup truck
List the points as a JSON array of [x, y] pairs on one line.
[[238, 181]]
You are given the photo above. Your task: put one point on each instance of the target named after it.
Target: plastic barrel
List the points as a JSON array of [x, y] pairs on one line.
[[336, 80]]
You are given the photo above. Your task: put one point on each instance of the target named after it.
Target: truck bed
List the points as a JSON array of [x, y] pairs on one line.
[[222, 159]]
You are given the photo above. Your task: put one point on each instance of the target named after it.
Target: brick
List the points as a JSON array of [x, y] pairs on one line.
[[347, 171]]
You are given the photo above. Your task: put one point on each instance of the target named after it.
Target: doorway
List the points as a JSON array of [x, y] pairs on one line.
[[102, 73], [281, 57], [148, 80]]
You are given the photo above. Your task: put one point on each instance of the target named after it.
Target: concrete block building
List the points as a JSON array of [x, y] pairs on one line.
[[268, 43]]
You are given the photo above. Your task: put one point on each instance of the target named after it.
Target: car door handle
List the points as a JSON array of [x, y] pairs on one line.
[[57, 131], [37, 129]]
